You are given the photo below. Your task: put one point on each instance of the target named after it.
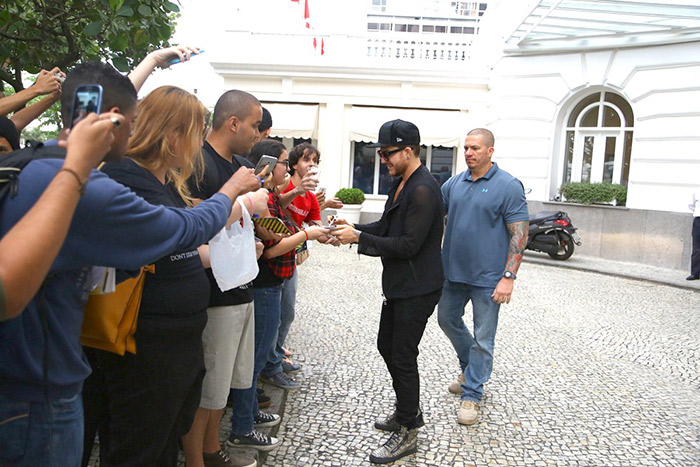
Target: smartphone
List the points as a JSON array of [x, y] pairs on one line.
[[177, 59], [264, 161], [87, 99]]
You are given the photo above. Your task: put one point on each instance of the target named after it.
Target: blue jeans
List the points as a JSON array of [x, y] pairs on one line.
[[475, 352], [289, 298], [37, 434], [267, 322]]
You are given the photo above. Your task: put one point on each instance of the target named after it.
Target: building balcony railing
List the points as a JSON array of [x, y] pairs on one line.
[[354, 51], [417, 50]]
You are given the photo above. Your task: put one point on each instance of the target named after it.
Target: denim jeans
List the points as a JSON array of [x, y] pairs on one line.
[[289, 298], [267, 321], [37, 434], [475, 352]]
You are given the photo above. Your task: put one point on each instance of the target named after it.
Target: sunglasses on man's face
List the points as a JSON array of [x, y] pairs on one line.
[[387, 154]]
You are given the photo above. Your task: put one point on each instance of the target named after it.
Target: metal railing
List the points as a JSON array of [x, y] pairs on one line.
[[386, 48]]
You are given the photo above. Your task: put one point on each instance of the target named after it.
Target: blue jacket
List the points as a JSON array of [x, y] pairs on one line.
[[111, 227]]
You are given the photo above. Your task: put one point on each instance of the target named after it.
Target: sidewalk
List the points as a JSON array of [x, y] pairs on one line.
[[581, 401], [672, 277]]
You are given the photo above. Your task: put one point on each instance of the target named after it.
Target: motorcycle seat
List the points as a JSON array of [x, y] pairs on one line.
[[542, 215]]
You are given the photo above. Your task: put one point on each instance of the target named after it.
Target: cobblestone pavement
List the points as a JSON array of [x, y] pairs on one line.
[[589, 370]]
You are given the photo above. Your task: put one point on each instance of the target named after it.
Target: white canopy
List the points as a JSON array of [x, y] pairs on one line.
[[293, 120], [437, 127]]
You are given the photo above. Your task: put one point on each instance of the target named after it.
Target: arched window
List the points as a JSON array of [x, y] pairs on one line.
[[599, 140]]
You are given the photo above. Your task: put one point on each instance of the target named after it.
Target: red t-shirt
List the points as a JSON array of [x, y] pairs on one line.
[[304, 208]]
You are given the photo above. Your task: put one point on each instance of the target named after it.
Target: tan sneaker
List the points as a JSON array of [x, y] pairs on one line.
[[455, 386], [468, 413]]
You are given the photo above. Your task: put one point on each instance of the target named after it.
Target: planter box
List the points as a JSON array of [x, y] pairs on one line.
[[351, 213]]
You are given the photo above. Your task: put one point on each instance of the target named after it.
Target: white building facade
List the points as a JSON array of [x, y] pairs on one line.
[[571, 91]]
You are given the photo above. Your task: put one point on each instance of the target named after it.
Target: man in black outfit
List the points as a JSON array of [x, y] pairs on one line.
[[407, 238]]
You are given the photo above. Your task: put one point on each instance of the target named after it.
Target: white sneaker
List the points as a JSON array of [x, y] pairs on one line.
[[468, 413], [455, 386]]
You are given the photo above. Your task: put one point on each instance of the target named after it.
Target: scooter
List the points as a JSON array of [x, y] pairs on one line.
[[553, 233]]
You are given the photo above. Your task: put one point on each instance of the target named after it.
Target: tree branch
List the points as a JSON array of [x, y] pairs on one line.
[[18, 38], [9, 79]]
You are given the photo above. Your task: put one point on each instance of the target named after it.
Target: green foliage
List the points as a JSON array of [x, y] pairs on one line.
[[594, 193], [36, 34], [350, 195]]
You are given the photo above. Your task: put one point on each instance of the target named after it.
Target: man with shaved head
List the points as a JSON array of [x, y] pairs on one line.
[[485, 236], [229, 336]]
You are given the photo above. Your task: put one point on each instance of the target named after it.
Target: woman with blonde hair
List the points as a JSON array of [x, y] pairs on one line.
[[151, 397]]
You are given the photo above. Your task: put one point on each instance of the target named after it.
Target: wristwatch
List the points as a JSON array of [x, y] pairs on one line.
[[509, 275]]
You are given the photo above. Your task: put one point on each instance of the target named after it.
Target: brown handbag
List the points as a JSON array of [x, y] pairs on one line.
[[110, 320]]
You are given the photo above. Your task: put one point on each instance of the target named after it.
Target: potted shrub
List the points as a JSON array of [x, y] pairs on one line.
[[594, 193], [352, 199]]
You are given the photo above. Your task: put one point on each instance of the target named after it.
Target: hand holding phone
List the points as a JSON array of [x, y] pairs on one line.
[[87, 99], [177, 60]]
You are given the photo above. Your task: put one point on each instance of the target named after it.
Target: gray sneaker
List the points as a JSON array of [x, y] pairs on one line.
[[289, 366], [223, 459], [390, 424], [281, 380], [401, 443]]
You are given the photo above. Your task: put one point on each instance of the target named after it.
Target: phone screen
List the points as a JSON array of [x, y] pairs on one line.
[[87, 99]]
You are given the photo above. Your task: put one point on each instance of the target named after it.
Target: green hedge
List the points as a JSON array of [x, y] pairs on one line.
[[350, 195], [594, 193]]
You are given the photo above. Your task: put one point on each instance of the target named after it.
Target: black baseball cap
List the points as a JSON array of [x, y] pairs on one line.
[[397, 133], [8, 130]]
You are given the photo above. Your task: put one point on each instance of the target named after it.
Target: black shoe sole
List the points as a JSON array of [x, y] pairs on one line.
[[386, 460], [397, 427]]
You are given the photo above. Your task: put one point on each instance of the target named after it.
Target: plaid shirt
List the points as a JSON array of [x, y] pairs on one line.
[[282, 266]]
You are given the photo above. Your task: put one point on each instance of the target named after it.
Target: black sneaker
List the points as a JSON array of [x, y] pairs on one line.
[[264, 401], [254, 440], [264, 420], [390, 423]]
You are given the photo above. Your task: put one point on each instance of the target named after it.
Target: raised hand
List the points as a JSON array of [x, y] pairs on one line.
[[50, 81], [241, 182], [163, 56], [89, 141]]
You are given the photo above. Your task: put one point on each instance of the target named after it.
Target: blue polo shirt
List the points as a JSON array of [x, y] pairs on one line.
[[475, 249]]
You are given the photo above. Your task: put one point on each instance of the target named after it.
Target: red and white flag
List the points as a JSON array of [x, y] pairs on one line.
[[307, 24]]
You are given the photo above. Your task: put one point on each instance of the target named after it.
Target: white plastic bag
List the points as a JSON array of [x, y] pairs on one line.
[[232, 254]]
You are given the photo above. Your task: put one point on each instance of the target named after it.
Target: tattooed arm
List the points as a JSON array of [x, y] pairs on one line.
[[518, 240]]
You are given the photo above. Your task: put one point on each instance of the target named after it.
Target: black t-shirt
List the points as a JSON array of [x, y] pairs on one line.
[[217, 171], [179, 287]]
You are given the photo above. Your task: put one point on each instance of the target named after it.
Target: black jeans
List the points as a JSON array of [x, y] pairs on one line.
[[695, 256], [400, 331]]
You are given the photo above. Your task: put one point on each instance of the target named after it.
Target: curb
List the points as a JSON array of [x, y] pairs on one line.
[[641, 272]]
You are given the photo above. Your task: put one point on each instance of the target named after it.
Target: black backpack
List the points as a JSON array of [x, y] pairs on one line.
[[11, 165]]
